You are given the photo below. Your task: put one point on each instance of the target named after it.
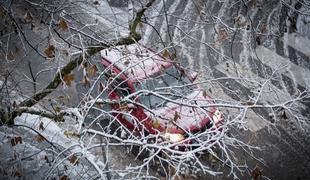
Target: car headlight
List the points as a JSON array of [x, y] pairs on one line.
[[174, 137], [217, 116]]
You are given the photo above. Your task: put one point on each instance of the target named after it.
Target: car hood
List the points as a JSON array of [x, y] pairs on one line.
[[183, 114]]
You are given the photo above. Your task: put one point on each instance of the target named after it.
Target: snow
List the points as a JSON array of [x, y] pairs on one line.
[[189, 116], [33, 158], [137, 61]]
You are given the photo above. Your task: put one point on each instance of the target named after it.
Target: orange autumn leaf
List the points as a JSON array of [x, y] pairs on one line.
[[68, 78]]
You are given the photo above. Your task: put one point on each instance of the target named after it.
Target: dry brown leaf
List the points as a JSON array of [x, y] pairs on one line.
[[14, 104], [96, 2], [101, 87], [17, 174], [64, 177], [162, 68], [140, 24], [85, 81], [74, 160], [204, 93], [256, 173], [11, 55], [65, 52], [91, 71], [41, 126], [63, 25], [16, 140], [68, 78], [176, 116], [2, 12], [264, 28], [28, 17], [126, 62], [223, 34], [46, 159], [155, 124], [50, 51], [40, 138], [57, 108], [166, 53]]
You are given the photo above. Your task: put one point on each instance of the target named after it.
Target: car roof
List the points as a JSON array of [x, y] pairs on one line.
[[136, 61]]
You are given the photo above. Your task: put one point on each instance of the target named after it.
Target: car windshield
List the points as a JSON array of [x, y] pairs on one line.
[[171, 83]]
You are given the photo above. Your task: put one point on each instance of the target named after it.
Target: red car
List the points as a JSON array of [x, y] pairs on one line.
[[155, 95]]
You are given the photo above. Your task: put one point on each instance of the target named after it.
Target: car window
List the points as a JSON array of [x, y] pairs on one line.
[[171, 77]]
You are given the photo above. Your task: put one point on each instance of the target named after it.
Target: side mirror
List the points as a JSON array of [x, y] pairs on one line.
[[131, 106], [193, 76]]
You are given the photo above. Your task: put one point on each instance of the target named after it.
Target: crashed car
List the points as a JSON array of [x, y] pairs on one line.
[[154, 94]]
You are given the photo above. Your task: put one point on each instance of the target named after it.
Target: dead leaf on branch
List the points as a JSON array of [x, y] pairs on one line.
[[257, 173], [41, 126], [71, 134], [85, 81], [204, 94], [57, 109], [16, 140], [96, 2], [28, 17], [64, 177], [101, 87], [50, 51], [65, 52], [140, 25], [91, 71], [155, 124], [264, 28], [240, 21], [166, 53], [223, 34], [2, 12], [40, 138], [74, 160], [126, 62], [63, 25], [176, 116], [68, 78]]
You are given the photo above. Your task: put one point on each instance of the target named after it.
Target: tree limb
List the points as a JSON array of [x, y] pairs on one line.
[[133, 37]]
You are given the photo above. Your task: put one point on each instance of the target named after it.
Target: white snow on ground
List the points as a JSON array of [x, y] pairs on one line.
[[49, 149], [33, 157]]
